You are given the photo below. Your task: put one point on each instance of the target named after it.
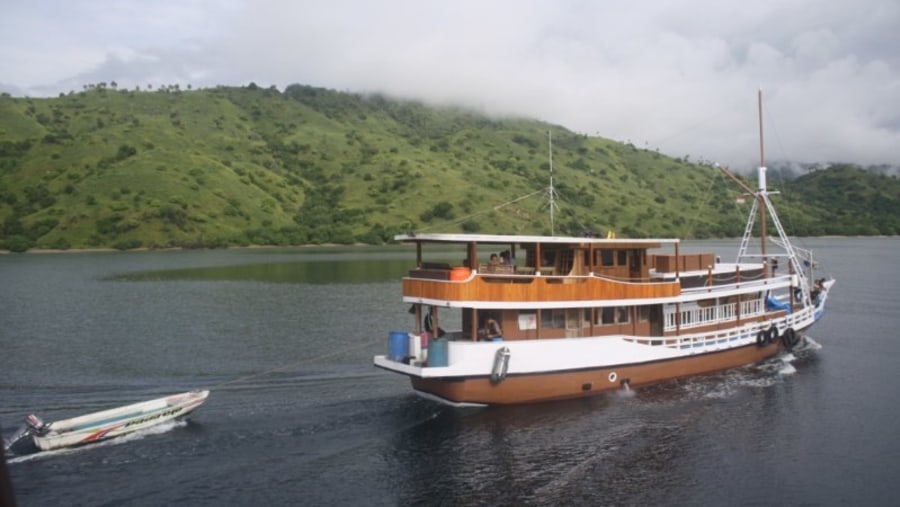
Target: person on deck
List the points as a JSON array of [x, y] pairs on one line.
[[492, 264], [492, 329]]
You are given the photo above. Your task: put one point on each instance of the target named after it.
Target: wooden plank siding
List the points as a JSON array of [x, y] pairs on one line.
[[536, 288]]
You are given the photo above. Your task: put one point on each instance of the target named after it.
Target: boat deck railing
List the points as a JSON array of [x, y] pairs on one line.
[[754, 283], [692, 317], [723, 338], [693, 281], [515, 274]]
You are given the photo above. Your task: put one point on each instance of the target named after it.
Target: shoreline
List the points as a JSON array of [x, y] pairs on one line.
[[40, 251]]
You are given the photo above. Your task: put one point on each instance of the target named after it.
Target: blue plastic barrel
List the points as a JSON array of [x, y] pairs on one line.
[[437, 352], [398, 346]]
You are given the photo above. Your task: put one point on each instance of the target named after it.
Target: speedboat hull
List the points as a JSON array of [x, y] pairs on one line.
[[116, 422]]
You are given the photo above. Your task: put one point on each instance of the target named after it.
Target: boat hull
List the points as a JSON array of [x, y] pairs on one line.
[[558, 385], [119, 421]]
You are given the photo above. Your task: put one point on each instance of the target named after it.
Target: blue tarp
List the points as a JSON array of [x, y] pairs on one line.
[[772, 303]]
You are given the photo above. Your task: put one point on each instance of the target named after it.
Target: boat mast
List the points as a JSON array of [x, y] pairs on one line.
[[761, 194], [552, 191], [762, 201]]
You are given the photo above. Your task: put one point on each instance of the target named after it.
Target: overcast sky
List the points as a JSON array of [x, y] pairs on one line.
[[678, 76]]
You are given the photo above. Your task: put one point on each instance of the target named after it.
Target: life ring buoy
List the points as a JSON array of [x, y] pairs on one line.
[[762, 338], [789, 338], [773, 334]]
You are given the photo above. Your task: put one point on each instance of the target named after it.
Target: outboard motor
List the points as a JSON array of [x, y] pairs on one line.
[[25, 431], [36, 425]]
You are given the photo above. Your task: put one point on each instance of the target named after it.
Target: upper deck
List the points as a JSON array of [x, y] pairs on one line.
[[525, 289], [538, 271]]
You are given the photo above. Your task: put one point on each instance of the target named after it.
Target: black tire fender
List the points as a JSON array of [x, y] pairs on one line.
[[772, 334], [789, 338]]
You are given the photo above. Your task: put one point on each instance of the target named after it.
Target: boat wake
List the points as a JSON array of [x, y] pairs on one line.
[[784, 362], [727, 384], [625, 392], [787, 368], [131, 437], [807, 344], [577, 467]]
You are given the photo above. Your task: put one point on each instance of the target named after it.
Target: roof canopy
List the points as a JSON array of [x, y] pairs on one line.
[[517, 239]]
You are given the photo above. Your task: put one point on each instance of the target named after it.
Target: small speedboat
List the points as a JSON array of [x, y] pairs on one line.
[[110, 423]]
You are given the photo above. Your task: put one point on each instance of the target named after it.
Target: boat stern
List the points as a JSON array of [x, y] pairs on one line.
[[385, 363]]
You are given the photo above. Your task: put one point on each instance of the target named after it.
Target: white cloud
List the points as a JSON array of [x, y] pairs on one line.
[[678, 76]]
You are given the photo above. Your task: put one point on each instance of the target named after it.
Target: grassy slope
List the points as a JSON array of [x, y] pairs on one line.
[[249, 165]]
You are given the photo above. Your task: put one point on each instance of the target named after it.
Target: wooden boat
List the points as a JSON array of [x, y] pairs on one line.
[[112, 423], [582, 316]]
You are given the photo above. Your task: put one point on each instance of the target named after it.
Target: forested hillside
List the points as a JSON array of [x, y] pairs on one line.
[[238, 166]]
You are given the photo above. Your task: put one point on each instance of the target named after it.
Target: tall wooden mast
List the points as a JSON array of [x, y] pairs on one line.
[[760, 194], [551, 189]]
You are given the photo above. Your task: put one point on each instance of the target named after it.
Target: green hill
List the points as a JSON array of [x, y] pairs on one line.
[[847, 200], [239, 166]]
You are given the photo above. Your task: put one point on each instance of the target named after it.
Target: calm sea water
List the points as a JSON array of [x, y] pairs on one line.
[[298, 416]]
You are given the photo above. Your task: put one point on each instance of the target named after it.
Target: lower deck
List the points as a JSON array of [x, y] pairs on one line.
[[663, 321]]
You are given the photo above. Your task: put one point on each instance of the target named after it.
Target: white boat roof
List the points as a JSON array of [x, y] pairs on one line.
[[510, 238]]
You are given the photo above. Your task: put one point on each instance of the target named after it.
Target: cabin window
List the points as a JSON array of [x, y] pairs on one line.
[[613, 315], [549, 258], [607, 316], [643, 313], [553, 319], [623, 258], [637, 259], [606, 258], [565, 262]]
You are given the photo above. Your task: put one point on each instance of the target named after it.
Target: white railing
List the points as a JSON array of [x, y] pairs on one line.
[[767, 283], [696, 316], [727, 338]]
